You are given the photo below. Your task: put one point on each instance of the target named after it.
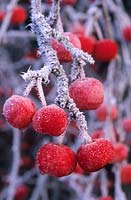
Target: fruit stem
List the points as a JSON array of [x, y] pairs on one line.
[[40, 91]]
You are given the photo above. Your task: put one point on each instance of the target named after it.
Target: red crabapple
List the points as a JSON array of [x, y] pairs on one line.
[[77, 29], [21, 192], [87, 93], [127, 33], [87, 43], [63, 54], [126, 123], [102, 112], [105, 50], [121, 152], [56, 160], [19, 111], [19, 15], [51, 120], [95, 155], [2, 15], [97, 134], [106, 198], [126, 174]]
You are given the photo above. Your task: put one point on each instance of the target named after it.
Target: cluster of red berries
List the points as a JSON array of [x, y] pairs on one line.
[[87, 44], [54, 159], [19, 15]]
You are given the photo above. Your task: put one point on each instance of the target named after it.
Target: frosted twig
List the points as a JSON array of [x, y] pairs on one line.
[[104, 189], [15, 164], [119, 194], [40, 186]]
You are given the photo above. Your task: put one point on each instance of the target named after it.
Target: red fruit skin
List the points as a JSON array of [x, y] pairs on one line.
[[95, 155], [97, 134], [78, 170], [127, 33], [77, 28], [51, 120], [56, 160], [105, 50], [126, 174], [65, 2], [87, 43], [26, 162], [21, 193], [19, 111], [106, 198], [126, 123], [2, 15], [62, 53], [102, 112], [87, 93], [19, 15], [121, 152]]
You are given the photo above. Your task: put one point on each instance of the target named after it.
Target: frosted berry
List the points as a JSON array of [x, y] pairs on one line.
[[87, 43], [51, 120], [95, 155], [127, 33], [87, 93], [126, 174], [19, 111], [62, 53], [56, 160], [21, 193], [77, 28], [126, 123], [105, 50], [106, 198], [19, 15], [121, 152], [102, 112]]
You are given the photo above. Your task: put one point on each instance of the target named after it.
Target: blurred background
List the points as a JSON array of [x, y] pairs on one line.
[[104, 30]]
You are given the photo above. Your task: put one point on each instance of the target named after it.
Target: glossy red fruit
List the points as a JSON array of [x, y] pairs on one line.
[[56, 160], [105, 50], [87, 43], [19, 15], [2, 15], [106, 198], [19, 111], [127, 33], [126, 174], [51, 120], [95, 155], [102, 112], [121, 152], [21, 193], [87, 93], [97, 134], [126, 123], [62, 53]]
